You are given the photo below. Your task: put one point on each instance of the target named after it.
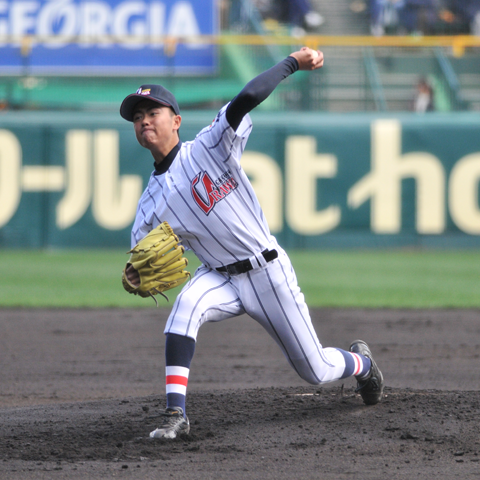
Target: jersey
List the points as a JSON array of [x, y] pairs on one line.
[[207, 199], [201, 190]]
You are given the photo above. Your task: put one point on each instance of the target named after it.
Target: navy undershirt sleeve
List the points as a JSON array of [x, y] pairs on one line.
[[258, 89]]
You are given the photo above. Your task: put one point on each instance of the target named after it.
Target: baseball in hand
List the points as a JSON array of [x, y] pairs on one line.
[[314, 53]]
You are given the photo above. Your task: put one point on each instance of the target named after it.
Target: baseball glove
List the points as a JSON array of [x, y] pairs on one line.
[[159, 263]]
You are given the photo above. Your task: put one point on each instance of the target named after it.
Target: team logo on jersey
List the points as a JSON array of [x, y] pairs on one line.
[[207, 193]]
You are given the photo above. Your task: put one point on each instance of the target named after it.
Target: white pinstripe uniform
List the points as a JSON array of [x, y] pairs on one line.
[[209, 202]]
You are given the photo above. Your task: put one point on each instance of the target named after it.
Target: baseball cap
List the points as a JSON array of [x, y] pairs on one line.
[[157, 93]]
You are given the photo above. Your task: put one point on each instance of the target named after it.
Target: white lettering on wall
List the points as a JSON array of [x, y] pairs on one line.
[[10, 171], [22, 17], [97, 23], [463, 194], [94, 18], [37, 178], [57, 12], [115, 198], [3, 21], [303, 167], [90, 177], [182, 22], [383, 187], [76, 200]]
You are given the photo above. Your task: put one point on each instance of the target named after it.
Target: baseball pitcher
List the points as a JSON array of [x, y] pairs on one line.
[[199, 198]]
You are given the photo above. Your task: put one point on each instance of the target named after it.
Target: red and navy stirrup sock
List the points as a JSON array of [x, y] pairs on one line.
[[179, 352], [355, 364]]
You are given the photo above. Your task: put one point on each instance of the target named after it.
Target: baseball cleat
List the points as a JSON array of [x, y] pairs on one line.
[[173, 424], [371, 387]]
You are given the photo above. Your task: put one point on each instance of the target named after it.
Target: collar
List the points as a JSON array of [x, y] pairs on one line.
[[167, 161]]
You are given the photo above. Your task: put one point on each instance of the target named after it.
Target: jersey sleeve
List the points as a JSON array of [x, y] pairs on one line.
[[222, 142], [258, 89]]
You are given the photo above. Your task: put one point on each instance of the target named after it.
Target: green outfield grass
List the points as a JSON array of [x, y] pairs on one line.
[[397, 279]]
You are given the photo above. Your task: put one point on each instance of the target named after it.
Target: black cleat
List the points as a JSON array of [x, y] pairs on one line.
[[370, 388]]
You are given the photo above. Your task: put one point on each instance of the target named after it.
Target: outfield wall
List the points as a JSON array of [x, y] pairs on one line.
[[324, 180]]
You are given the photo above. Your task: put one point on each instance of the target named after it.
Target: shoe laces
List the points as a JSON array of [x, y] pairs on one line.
[[170, 417]]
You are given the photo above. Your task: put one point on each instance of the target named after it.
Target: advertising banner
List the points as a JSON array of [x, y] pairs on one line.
[[330, 181], [106, 37]]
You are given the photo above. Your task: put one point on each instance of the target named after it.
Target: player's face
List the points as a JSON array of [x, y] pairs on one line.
[[155, 126]]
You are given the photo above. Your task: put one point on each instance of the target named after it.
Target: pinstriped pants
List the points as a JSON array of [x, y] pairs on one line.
[[272, 297]]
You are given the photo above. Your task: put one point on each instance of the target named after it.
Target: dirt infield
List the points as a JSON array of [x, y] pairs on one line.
[[80, 390]]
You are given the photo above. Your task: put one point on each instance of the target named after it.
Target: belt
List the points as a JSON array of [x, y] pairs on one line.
[[244, 266]]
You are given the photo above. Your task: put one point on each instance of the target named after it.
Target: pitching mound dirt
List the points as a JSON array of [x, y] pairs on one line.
[[81, 389]]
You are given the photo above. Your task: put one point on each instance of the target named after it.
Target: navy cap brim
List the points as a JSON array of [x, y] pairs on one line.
[[127, 108]]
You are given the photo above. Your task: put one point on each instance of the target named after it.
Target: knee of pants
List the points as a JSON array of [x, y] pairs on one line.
[[325, 366]]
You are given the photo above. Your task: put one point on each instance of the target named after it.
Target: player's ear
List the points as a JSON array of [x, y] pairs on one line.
[[177, 121]]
